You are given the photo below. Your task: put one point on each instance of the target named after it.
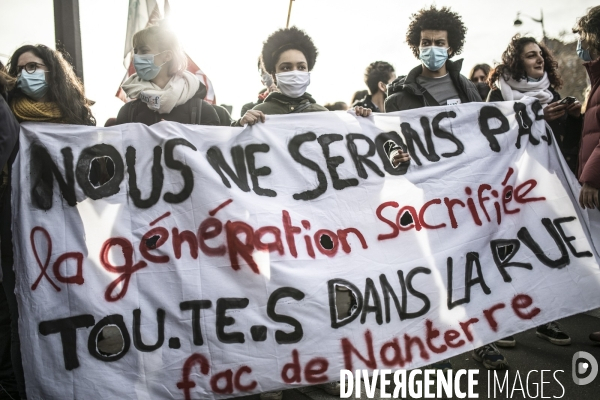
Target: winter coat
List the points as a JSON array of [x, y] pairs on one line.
[[224, 116], [589, 153], [9, 136], [186, 113], [9, 133], [404, 93], [567, 130], [251, 105], [367, 102], [278, 103]]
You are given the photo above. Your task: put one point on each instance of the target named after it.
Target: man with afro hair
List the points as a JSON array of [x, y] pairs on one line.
[[434, 36]]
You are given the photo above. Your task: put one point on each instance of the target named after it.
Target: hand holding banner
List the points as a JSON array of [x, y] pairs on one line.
[[217, 252]]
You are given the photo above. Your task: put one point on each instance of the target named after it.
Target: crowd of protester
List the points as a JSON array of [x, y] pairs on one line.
[[39, 85]]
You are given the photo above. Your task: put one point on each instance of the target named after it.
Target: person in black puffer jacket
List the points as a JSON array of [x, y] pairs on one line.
[[528, 69], [9, 136], [162, 88], [434, 37]]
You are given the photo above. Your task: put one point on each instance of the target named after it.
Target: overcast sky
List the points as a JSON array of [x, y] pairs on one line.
[[225, 37]]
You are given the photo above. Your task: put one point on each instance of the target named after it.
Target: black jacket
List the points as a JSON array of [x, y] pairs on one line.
[[224, 116], [9, 136], [404, 93], [567, 130], [9, 132], [251, 105], [187, 113], [367, 103]]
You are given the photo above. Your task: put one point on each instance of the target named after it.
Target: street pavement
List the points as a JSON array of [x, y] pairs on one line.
[[531, 353]]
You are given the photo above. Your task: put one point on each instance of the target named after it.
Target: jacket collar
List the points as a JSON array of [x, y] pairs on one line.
[[281, 98], [593, 69], [453, 68], [409, 81], [368, 102], [201, 92]]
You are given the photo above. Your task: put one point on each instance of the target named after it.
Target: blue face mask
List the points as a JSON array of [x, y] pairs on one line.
[[33, 85], [584, 54], [433, 57], [144, 66]]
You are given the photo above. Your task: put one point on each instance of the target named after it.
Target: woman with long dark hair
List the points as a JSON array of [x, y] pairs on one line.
[[47, 88], [528, 69]]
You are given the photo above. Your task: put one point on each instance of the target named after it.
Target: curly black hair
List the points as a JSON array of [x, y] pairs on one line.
[[286, 39], [512, 64], [438, 20], [378, 71]]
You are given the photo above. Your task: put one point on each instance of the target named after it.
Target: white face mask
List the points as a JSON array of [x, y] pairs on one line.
[[293, 83]]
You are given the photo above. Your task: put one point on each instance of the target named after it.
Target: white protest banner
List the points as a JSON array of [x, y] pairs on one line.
[[220, 253]]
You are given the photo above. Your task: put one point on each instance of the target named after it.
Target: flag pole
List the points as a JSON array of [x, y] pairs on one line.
[[289, 13]]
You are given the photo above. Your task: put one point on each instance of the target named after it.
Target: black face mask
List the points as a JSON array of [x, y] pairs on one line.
[[483, 89]]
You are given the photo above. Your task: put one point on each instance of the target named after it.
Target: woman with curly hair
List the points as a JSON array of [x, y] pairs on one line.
[[47, 88], [434, 37], [528, 69], [288, 55]]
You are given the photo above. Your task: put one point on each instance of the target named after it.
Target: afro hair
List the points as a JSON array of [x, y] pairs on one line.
[[286, 39], [437, 20]]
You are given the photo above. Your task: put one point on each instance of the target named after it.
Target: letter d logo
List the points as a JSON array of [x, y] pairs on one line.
[[580, 367]]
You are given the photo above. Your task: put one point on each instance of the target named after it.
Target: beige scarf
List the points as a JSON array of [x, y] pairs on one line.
[[178, 90]]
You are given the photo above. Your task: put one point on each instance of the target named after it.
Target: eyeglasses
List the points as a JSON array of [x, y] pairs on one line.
[[30, 67]]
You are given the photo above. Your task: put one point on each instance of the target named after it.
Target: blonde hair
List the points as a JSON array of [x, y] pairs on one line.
[[165, 40]]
